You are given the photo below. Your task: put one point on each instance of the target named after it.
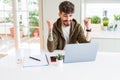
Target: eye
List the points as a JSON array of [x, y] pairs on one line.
[[65, 15], [70, 15]]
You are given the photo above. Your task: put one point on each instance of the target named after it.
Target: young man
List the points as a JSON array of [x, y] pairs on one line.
[[66, 30]]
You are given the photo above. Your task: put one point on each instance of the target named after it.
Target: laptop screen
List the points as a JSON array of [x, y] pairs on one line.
[[80, 52]]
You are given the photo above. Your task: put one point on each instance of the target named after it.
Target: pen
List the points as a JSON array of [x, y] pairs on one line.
[[34, 58]]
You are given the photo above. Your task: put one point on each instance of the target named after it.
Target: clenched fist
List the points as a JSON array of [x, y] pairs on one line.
[[87, 23], [50, 25]]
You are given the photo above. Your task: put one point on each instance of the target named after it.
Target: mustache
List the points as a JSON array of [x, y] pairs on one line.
[[67, 20]]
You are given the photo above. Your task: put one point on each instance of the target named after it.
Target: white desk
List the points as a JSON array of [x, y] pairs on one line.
[[106, 67]]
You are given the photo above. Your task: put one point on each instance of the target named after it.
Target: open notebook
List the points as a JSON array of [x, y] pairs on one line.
[[32, 62]]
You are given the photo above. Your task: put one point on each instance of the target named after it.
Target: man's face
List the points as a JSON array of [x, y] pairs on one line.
[[66, 18]]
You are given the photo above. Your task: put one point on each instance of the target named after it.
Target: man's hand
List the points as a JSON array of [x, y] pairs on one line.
[[50, 25], [87, 23]]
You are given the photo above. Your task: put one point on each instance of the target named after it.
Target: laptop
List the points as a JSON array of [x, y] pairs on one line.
[[83, 52]]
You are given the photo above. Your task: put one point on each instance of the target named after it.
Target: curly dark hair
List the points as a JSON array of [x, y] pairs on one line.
[[66, 7]]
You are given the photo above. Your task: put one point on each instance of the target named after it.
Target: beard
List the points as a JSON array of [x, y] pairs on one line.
[[67, 22]]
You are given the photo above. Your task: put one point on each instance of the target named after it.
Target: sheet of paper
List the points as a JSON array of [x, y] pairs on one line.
[[28, 62]]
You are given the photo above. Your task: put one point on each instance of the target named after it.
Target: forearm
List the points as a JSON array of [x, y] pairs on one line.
[[50, 36], [50, 42], [88, 36], [88, 29]]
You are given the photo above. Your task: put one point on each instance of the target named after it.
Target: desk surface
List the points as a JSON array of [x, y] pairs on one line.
[[106, 67]]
